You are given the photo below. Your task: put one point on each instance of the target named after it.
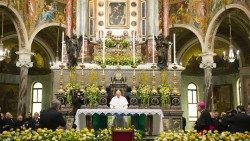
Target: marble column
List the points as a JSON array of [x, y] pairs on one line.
[[165, 28], [208, 64], [69, 18], [24, 63], [165, 15], [81, 17], [151, 26]]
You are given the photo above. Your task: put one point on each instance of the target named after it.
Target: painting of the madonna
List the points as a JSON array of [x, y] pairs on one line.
[[117, 14]]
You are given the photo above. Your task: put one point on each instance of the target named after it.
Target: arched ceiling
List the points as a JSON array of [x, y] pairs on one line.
[[240, 33]]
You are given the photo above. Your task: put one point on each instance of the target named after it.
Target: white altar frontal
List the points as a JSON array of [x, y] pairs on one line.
[[80, 117]]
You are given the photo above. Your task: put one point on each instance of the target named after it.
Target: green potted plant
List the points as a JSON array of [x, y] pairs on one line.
[[144, 92], [92, 94], [165, 92]]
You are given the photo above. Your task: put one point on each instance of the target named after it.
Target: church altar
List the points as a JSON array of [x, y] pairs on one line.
[[80, 117]]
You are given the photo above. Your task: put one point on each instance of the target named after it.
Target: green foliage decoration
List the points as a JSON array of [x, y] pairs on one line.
[[92, 94]]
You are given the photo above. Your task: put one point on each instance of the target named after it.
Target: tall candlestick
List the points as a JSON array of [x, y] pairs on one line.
[[153, 49], [133, 47], [103, 50], [174, 49]]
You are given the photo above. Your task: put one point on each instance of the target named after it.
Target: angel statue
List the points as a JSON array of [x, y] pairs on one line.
[[162, 44], [73, 47]]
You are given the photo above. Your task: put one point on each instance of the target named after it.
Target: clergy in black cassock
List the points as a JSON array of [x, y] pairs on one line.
[[204, 122]]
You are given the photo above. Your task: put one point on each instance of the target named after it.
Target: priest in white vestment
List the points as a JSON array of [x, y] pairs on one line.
[[119, 102]]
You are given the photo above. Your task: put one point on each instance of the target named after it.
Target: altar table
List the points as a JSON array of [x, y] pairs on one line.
[[80, 117]]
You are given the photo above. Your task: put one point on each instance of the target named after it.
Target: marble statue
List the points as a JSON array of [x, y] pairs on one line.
[[73, 47]]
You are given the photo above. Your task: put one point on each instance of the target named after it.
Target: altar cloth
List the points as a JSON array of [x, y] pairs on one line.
[[157, 113]]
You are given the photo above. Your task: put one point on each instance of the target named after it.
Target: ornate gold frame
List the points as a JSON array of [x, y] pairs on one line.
[[108, 10]]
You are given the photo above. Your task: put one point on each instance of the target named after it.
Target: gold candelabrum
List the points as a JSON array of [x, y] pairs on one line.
[[82, 79], [134, 91], [103, 89], [175, 90], [154, 91], [61, 90]]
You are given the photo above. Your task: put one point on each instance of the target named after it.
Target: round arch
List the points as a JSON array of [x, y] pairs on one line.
[[41, 27], [193, 30], [216, 21], [18, 23]]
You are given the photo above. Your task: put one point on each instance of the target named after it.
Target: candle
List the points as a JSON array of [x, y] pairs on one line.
[[62, 37], [62, 52], [83, 51], [153, 49], [133, 46], [174, 49], [62, 46], [103, 50]]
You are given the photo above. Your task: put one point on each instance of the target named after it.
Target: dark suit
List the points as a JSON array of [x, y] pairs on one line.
[[8, 124], [51, 119], [239, 123], [204, 122]]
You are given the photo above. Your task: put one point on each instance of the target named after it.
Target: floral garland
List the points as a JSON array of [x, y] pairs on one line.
[[92, 94], [106, 134], [144, 92], [49, 135], [114, 59], [206, 136], [165, 92], [111, 42], [68, 90]]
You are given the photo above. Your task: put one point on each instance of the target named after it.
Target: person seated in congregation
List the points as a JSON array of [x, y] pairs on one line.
[[8, 122], [119, 102], [20, 122], [52, 118]]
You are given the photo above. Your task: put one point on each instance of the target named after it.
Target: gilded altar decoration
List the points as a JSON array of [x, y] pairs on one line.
[[92, 94], [117, 13]]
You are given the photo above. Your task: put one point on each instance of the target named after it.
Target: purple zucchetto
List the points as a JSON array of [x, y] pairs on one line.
[[202, 104]]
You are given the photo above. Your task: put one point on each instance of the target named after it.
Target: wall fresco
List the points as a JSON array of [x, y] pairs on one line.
[[198, 13]]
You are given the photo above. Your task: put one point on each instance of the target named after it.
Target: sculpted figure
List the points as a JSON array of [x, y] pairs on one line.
[[73, 47], [162, 44]]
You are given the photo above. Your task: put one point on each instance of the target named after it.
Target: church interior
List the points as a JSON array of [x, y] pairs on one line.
[[165, 56]]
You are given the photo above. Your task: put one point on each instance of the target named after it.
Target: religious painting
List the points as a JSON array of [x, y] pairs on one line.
[[51, 11], [222, 97], [117, 14], [9, 97]]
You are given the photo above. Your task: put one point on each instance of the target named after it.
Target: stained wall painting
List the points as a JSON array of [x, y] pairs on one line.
[[117, 14], [179, 12], [9, 97], [222, 96], [197, 13]]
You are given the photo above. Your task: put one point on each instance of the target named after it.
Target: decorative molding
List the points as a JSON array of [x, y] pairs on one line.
[[24, 59], [207, 60]]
